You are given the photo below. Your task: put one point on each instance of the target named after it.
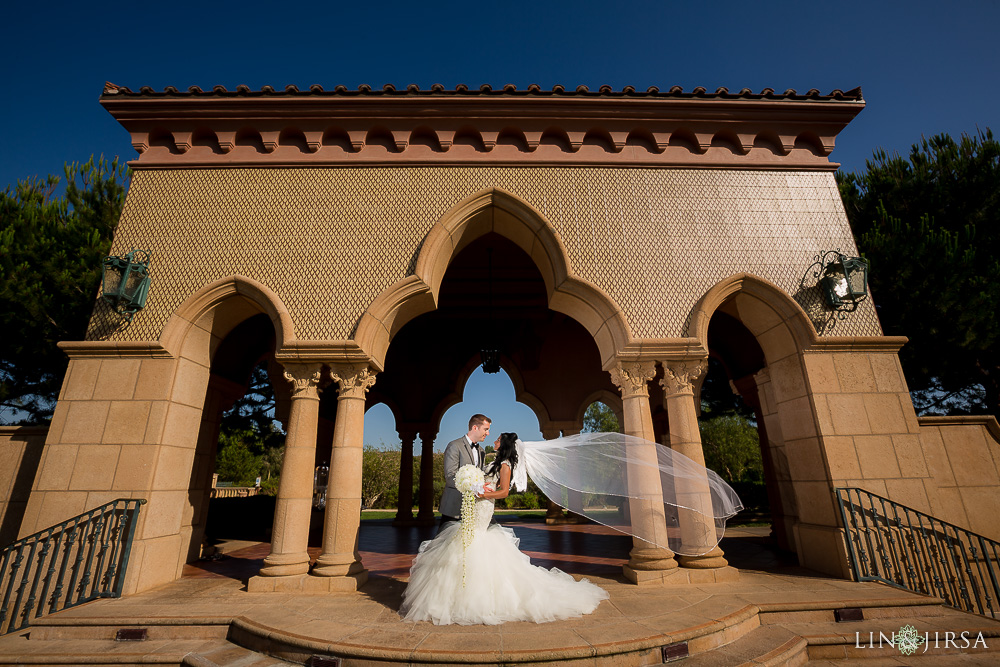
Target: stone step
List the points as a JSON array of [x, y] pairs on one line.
[[766, 645], [857, 640], [962, 660], [107, 628], [230, 655], [789, 637], [788, 634], [96, 651], [99, 653]]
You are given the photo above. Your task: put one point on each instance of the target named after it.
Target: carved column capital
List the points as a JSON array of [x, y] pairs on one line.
[[679, 376], [304, 379], [631, 378], [353, 380]]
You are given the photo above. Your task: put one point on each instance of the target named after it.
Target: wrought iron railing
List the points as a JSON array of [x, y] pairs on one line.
[[902, 547], [77, 561]]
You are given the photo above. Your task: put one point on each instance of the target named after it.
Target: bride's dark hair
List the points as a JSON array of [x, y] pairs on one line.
[[507, 451]]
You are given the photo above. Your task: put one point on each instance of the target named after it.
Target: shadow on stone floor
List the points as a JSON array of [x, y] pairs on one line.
[[585, 550]]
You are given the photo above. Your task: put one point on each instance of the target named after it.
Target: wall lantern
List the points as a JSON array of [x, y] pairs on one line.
[[843, 280], [126, 282]]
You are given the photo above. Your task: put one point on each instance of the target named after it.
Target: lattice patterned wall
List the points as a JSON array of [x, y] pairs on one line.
[[329, 240]]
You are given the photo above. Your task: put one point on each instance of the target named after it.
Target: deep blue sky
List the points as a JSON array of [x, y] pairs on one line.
[[924, 67]]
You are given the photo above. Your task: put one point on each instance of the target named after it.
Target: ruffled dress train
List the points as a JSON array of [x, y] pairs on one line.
[[490, 581]]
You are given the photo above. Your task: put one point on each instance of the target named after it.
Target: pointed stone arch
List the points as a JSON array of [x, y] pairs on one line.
[[492, 210], [787, 419], [457, 395], [770, 314], [610, 399], [228, 300]]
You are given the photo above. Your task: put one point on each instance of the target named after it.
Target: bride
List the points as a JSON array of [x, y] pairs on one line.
[[486, 579]]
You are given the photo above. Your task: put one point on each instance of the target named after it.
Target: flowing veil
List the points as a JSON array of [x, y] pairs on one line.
[[632, 485]]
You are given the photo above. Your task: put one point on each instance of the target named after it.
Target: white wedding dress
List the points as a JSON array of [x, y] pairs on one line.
[[490, 581]]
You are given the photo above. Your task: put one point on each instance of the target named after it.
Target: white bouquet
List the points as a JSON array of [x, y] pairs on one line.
[[470, 481]]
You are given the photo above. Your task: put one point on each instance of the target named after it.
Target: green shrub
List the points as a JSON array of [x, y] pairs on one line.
[[269, 487], [529, 500]]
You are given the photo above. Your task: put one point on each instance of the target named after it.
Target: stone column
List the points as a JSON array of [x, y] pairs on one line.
[[292, 510], [685, 437], [425, 516], [404, 511], [647, 563], [340, 557], [553, 511]]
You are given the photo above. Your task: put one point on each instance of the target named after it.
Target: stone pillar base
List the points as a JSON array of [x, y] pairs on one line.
[[425, 521], [285, 565], [680, 576], [711, 560], [654, 577], [651, 558], [308, 584], [332, 568], [404, 520], [553, 513]]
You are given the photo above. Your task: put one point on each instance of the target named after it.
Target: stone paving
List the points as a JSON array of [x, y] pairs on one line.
[[366, 625]]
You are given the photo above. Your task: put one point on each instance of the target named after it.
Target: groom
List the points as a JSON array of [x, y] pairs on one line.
[[458, 453]]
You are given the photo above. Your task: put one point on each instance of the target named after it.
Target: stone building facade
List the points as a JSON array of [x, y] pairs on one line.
[[367, 244]]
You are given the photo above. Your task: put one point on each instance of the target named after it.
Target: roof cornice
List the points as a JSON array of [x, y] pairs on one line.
[[197, 128]]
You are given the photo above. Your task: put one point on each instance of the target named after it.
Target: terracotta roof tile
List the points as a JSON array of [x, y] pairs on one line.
[[509, 90]]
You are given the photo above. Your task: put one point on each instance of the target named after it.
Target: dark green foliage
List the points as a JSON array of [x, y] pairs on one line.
[[753, 495], [379, 477], [51, 252], [732, 448], [250, 442], [600, 419], [255, 412], [527, 500], [929, 225], [236, 462]]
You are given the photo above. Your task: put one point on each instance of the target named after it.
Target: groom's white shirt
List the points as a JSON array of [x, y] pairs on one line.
[[472, 448]]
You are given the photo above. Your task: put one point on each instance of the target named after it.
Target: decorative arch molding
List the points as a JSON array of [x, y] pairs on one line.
[[457, 394], [609, 398], [775, 308], [392, 406], [212, 296], [496, 211], [772, 307], [522, 395]]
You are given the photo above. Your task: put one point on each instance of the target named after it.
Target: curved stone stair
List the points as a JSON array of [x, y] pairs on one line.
[[777, 634], [191, 642], [799, 634]]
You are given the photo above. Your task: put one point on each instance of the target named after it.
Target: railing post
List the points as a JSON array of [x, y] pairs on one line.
[[133, 519], [995, 585]]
